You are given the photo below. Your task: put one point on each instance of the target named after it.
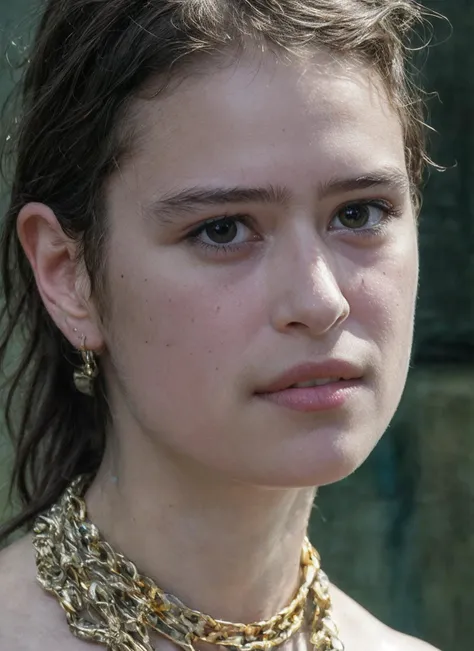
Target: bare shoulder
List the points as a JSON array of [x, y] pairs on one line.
[[361, 631], [405, 643], [30, 620]]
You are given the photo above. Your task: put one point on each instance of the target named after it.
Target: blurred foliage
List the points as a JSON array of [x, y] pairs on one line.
[[398, 535], [445, 321]]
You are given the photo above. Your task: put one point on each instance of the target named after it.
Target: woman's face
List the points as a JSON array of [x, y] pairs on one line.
[[263, 223]]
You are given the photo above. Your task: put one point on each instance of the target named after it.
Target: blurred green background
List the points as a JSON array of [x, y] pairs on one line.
[[399, 534]]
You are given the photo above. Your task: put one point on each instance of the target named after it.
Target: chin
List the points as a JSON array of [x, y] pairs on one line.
[[313, 463], [322, 474], [304, 450]]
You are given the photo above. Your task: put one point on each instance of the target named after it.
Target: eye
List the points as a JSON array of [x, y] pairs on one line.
[[223, 233], [364, 215]]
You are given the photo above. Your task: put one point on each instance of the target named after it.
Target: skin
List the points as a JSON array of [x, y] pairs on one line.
[[198, 470]]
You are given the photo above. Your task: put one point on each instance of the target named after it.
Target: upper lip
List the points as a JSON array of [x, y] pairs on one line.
[[313, 371]]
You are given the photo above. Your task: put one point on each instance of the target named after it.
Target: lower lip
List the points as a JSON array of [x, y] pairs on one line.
[[321, 398]]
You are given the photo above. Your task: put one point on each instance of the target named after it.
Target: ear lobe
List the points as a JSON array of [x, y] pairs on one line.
[[58, 274]]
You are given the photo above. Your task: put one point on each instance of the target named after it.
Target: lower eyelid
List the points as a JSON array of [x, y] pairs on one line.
[[390, 212], [194, 236]]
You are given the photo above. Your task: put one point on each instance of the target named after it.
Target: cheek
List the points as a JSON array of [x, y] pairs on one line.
[[383, 299], [179, 347], [389, 282], [177, 337]]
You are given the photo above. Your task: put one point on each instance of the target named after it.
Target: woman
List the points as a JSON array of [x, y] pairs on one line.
[[211, 251]]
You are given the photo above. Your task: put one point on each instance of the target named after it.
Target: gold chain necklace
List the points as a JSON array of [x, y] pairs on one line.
[[107, 601]]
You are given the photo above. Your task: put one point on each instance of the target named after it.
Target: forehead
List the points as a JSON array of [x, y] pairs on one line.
[[257, 117]]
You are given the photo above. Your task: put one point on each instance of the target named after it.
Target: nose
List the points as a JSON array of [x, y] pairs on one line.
[[305, 293]]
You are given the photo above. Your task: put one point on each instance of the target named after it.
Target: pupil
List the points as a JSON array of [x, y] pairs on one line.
[[222, 232], [353, 216]]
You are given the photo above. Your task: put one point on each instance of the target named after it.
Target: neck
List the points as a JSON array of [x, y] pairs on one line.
[[227, 550]]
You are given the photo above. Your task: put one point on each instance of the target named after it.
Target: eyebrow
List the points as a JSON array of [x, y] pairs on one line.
[[391, 178], [170, 208]]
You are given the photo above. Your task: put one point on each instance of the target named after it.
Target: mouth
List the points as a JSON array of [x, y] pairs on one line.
[[314, 387], [318, 382], [310, 374]]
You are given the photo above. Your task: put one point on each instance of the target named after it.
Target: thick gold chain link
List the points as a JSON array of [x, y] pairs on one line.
[[107, 601]]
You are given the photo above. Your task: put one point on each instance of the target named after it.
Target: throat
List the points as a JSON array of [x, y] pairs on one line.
[[234, 556]]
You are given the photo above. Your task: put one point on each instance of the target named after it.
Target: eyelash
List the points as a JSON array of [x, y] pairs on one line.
[[390, 213], [193, 237], [389, 210]]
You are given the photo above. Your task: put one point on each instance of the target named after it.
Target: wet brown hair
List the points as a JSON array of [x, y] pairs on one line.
[[88, 61]]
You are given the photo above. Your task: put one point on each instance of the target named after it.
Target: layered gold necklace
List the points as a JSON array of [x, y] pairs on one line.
[[107, 601]]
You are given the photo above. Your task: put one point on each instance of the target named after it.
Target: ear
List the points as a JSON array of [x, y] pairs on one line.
[[62, 280]]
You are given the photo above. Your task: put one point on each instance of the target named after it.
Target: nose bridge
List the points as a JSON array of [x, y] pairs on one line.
[[313, 268], [306, 289]]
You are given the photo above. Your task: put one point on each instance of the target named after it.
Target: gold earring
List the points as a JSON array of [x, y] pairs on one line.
[[84, 377]]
